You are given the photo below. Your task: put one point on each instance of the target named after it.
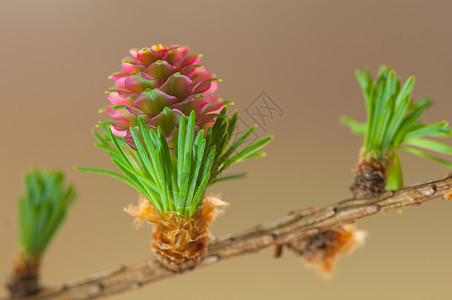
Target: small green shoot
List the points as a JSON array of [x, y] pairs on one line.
[[42, 210], [393, 123]]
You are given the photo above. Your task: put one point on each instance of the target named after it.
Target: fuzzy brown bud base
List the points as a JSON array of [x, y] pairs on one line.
[[322, 250], [448, 195], [24, 279], [369, 178], [178, 242]]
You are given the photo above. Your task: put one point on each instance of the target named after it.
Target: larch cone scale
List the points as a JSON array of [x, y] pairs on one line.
[[160, 84]]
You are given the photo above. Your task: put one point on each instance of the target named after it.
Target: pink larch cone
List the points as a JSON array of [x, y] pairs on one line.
[[161, 84]]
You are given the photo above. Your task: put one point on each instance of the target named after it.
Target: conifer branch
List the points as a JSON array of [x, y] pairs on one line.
[[298, 224]]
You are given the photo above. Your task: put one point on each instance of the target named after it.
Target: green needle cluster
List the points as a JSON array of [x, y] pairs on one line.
[[42, 210], [176, 179], [393, 123]]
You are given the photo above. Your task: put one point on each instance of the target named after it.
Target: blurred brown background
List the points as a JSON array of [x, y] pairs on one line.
[[56, 56]]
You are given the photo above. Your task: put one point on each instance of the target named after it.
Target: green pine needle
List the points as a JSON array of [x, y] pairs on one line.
[[393, 123], [42, 209], [221, 135], [423, 154], [232, 176]]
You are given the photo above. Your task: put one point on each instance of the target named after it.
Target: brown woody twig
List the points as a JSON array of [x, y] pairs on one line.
[[298, 224]]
